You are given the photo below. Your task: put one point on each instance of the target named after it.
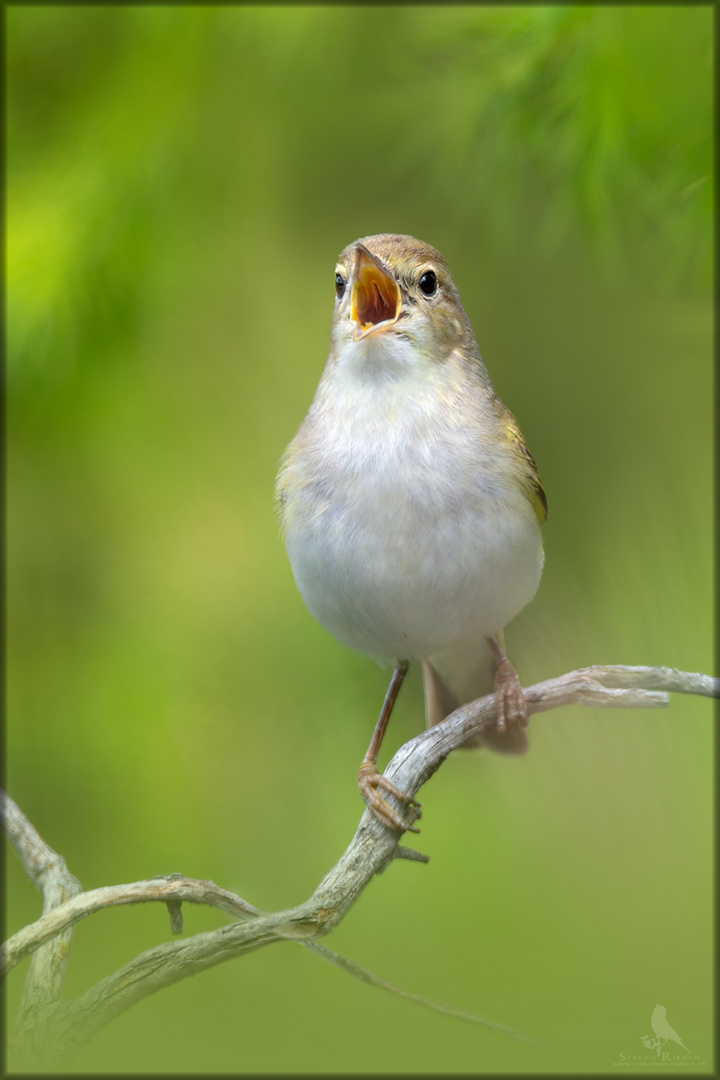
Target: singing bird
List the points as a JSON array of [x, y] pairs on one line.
[[663, 1030], [410, 504]]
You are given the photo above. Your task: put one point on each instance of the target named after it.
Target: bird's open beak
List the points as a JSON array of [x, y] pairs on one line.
[[376, 296]]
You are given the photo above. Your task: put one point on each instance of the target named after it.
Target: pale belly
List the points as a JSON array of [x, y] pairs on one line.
[[406, 525], [398, 564]]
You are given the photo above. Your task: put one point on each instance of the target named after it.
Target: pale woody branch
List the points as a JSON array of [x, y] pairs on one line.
[[58, 1028], [49, 874], [171, 888]]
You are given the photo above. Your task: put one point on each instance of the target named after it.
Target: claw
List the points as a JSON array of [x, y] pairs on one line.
[[512, 712], [511, 705], [369, 781]]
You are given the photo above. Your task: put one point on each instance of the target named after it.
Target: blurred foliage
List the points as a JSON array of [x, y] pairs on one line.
[[179, 182], [517, 109]]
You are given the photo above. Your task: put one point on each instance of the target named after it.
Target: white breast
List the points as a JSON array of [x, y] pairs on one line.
[[405, 531]]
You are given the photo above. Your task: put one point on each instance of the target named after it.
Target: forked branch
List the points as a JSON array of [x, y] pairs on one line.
[[53, 1030]]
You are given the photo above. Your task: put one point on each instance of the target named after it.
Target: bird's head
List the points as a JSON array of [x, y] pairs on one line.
[[393, 288]]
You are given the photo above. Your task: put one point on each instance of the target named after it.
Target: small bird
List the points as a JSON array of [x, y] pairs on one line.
[[410, 504], [663, 1030]]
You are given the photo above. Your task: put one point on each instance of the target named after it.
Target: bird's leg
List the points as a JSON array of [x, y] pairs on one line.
[[512, 715], [370, 779]]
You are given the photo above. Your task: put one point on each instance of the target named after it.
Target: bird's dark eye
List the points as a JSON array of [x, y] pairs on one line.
[[428, 283], [340, 284]]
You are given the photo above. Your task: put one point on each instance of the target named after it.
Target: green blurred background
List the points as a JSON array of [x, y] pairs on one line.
[[180, 182]]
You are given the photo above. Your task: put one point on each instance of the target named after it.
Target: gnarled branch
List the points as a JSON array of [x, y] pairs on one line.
[[56, 1029]]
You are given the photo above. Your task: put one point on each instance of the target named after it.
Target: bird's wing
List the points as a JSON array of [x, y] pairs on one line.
[[530, 479]]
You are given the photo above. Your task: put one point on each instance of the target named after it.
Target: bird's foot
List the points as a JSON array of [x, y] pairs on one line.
[[512, 712], [370, 781]]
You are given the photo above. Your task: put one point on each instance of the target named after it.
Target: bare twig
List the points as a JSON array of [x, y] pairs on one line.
[[368, 977], [173, 888], [60, 1028], [49, 874]]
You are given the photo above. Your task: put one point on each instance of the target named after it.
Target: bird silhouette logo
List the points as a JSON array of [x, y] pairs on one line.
[[663, 1031]]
